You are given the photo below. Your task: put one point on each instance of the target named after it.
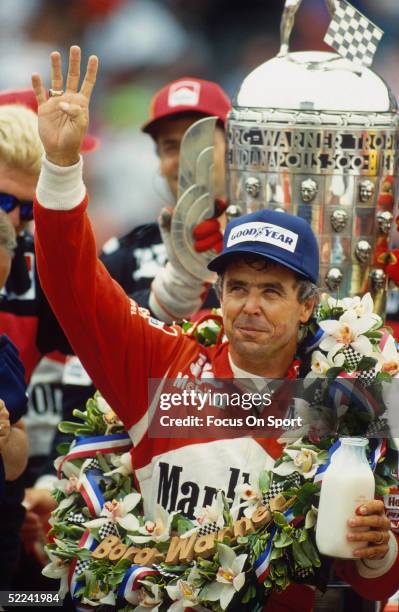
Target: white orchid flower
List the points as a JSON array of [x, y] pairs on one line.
[[361, 306], [321, 363], [144, 600], [208, 515], [333, 302], [98, 597], [118, 512], [109, 416], [229, 578], [122, 463], [305, 461], [57, 568], [388, 359], [184, 593], [252, 496], [155, 531], [347, 331]]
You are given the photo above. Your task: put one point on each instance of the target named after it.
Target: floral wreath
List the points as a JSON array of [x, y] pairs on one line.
[[105, 551]]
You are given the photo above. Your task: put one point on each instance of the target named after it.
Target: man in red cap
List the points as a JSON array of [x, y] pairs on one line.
[[134, 259]]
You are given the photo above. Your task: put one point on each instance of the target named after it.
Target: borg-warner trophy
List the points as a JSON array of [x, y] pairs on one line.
[[316, 134]]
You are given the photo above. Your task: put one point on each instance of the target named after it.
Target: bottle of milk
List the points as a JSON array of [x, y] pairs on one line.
[[347, 483]]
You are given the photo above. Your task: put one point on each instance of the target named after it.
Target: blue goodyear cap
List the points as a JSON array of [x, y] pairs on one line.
[[286, 239]]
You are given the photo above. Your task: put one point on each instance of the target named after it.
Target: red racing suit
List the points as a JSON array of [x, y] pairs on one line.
[[121, 347]]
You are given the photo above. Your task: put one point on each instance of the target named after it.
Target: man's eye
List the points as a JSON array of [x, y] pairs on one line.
[[271, 291], [236, 289]]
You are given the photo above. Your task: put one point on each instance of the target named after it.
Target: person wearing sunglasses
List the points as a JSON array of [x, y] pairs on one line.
[[25, 315]]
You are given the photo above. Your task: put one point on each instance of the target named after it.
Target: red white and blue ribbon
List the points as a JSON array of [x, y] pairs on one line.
[[89, 446], [322, 468], [91, 492], [311, 341], [86, 541], [131, 581], [262, 563], [378, 449], [345, 390]]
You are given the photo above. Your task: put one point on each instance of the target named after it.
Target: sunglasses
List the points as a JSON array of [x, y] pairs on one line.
[[8, 202]]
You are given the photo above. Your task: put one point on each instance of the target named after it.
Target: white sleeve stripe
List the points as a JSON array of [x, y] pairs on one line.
[[374, 568], [138, 431], [60, 187]]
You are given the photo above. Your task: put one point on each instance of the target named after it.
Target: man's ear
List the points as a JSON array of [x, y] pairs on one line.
[[307, 308]]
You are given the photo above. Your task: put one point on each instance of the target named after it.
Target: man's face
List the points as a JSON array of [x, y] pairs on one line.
[[20, 184], [5, 266], [261, 313], [168, 137]]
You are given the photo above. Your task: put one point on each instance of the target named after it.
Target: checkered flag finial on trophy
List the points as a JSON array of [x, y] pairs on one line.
[[352, 35]]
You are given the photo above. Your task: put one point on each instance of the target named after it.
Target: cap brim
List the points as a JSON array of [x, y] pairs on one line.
[[150, 126], [221, 261]]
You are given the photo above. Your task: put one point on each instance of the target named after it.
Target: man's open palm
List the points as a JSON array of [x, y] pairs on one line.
[[63, 119]]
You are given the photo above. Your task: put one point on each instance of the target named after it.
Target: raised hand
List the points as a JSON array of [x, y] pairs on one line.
[[63, 119]]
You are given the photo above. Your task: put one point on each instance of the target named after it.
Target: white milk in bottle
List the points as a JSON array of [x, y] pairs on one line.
[[347, 483]]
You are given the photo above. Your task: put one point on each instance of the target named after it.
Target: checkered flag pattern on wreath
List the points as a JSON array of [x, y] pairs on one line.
[[81, 566], [163, 571], [378, 426], [303, 572], [292, 480], [317, 397], [76, 517], [367, 377], [92, 465], [107, 530], [352, 357], [352, 35], [208, 528]]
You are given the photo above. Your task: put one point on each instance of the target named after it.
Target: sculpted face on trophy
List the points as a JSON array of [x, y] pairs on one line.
[[338, 219], [377, 279], [334, 279], [384, 220], [309, 189], [252, 186], [366, 191], [363, 251]]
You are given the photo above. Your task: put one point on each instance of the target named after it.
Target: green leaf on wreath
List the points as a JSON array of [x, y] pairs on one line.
[[279, 519], [183, 524], [366, 363], [282, 540], [264, 481], [300, 556]]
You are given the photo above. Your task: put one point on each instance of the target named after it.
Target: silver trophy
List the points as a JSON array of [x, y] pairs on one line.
[[315, 134]]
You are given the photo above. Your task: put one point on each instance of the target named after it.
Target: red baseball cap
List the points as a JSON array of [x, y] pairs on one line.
[[187, 95], [26, 97]]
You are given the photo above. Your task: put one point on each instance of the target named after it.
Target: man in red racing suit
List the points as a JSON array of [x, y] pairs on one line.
[[264, 300]]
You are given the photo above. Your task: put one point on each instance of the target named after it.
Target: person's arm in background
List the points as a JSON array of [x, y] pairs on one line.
[[15, 451]]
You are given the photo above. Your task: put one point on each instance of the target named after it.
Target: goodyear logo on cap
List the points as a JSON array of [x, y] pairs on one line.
[[258, 231]]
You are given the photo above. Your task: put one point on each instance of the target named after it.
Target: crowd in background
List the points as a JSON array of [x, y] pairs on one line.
[[143, 44]]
